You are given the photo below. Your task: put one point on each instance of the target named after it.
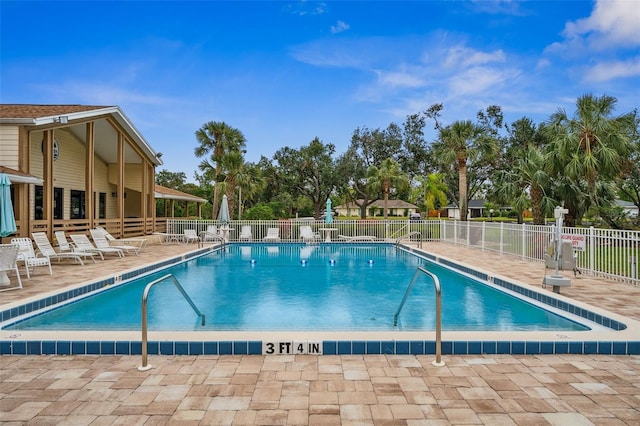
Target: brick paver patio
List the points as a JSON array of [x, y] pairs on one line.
[[326, 390]]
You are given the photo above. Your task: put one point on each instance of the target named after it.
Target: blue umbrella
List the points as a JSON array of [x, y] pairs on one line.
[[328, 218], [223, 214], [7, 219]]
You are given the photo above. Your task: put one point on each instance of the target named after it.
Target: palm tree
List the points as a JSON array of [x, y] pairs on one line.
[[460, 143], [527, 178], [592, 144], [433, 190], [387, 176], [217, 138], [249, 182]]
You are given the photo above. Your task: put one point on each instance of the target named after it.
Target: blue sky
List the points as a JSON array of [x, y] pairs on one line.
[[286, 72]]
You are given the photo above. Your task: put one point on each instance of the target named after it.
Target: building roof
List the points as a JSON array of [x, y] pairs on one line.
[[626, 204], [473, 204], [174, 194], [391, 204], [66, 115], [26, 111]]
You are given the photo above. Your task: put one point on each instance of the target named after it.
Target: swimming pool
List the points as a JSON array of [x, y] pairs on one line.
[[303, 288], [379, 340]]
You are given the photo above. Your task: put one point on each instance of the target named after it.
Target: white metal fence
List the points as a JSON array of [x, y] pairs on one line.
[[609, 253]]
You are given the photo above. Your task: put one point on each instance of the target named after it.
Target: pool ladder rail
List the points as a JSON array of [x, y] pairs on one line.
[[408, 236], [206, 237], [145, 295], [436, 282]]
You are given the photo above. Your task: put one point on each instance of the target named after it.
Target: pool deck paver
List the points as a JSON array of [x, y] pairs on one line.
[[326, 390]]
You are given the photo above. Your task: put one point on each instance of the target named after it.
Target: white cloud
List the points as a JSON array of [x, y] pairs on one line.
[[460, 56], [95, 93], [477, 80], [606, 71], [339, 27], [543, 63], [304, 7], [400, 79], [613, 23], [498, 7]]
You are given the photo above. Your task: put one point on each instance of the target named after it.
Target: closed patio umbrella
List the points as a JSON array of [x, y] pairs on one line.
[[328, 218], [7, 219], [223, 217], [223, 214]]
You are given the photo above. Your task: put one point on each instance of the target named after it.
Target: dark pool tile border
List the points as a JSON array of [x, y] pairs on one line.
[[329, 347]]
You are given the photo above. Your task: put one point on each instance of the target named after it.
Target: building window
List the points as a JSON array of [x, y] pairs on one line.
[[39, 202], [77, 204], [102, 205]]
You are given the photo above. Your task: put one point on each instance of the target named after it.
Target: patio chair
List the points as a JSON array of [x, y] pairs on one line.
[[100, 241], [9, 262], [45, 249], [82, 243], [245, 233], [211, 234], [64, 246], [273, 234], [191, 236], [139, 242], [306, 234], [27, 255]]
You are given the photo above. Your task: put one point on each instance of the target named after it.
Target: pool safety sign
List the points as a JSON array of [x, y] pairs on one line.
[[578, 242], [292, 348]]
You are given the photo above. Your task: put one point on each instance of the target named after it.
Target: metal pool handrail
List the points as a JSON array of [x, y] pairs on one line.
[[438, 362], [145, 366], [211, 235], [409, 235]]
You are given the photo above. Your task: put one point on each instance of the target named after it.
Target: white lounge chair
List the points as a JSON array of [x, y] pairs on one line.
[[191, 236], [307, 235], [28, 255], [9, 262], [101, 242], [63, 243], [64, 246], [167, 238], [273, 234], [82, 243], [357, 238], [245, 233], [139, 242], [46, 249]]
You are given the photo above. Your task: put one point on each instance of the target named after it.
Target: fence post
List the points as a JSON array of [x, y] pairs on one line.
[[483, 233], [524, 242], [455, 231], [592, 249], [501, 236]]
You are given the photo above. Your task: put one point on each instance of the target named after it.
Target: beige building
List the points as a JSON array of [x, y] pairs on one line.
[[74, 167], [398, 208]]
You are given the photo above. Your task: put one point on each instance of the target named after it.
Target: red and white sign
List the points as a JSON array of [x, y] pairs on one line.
[[578, 242]]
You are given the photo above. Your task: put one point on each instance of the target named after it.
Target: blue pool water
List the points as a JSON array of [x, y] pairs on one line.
[[302, 287]]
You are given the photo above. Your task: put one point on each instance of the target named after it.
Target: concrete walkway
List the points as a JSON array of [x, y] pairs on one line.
[[325, 390]]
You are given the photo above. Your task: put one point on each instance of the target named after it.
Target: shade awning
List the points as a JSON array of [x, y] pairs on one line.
[[19, 177]]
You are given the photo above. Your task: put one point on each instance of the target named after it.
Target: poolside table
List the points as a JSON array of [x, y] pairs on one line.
[[327, 233]]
